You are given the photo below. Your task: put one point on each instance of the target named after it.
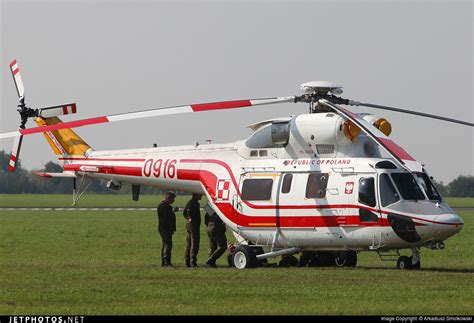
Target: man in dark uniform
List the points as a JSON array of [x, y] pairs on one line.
[[192, 214], [216, 232], [166, 227]]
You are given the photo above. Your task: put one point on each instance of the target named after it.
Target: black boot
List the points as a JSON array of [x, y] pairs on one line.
[[211, 262]]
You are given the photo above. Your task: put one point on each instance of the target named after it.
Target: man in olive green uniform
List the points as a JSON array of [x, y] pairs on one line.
[[192, 214], [166, 227], [217, 239]]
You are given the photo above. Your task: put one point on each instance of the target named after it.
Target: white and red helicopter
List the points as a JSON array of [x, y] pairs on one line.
[[327, 184]]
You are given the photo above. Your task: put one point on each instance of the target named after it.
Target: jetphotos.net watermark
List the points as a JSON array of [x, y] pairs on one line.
[[411, 319], [45, 319]]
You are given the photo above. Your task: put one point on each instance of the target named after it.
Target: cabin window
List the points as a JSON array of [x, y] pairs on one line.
[[263, 153], [253, 153], [367, 191], [316, 185], [286, 185], [388, 194], [257, 189]]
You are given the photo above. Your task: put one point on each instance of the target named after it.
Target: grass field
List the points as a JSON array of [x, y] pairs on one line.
[[59, 262]]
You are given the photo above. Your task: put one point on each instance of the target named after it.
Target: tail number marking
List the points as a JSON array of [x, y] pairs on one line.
[[160, 168]]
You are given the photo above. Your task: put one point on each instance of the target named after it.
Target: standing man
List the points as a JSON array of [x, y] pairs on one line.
[[192, 215], [216, 233], [166, 227]]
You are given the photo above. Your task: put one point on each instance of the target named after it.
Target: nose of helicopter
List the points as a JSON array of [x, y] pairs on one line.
[[451, 223]]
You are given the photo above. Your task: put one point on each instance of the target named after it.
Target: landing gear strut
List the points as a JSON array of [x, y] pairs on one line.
[[412, 262]]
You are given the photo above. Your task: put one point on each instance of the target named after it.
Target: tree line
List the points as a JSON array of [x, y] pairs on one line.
[[25, 181]]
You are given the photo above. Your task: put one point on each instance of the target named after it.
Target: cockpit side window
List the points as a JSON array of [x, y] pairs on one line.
[[428, 187], [367, 191], [388, 193], [407, 186]]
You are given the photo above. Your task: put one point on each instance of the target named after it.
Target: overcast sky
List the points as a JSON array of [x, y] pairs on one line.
[[114, 57]]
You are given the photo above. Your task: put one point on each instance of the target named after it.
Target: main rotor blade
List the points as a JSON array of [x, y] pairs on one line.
[[404, 159], [20, 89], [150, 113], [421, 114], [15, 154]]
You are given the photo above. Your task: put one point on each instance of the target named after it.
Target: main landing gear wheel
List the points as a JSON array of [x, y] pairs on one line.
[[244, 257], [346, 259]]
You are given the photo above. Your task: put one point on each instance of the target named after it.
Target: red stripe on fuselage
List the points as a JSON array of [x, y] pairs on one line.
[[281, 207], [221, 105], [209, 181]]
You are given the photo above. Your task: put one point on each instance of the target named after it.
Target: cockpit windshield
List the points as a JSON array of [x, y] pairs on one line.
[[427, 186], [407, 186]]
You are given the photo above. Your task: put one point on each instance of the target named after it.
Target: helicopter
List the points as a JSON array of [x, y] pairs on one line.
[[327, 184]]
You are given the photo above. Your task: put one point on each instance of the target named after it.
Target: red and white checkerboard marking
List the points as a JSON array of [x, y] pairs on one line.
[[223, 189]]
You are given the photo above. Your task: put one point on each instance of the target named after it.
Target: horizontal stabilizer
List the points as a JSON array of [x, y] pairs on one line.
[[55, 175]]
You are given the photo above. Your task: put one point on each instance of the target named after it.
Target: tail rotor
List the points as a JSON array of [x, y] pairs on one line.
[[26, 113]]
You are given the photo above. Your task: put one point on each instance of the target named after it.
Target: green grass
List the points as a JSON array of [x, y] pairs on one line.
[[92, 200], [95, 200], [59, 262], [460, 201]]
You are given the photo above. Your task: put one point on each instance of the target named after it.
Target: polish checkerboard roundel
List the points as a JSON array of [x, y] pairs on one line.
[[223, 189]]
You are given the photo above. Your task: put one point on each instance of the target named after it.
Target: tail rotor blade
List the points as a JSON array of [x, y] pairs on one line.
[[57, 110], [15, 154], [421, 114], [20, 89]]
